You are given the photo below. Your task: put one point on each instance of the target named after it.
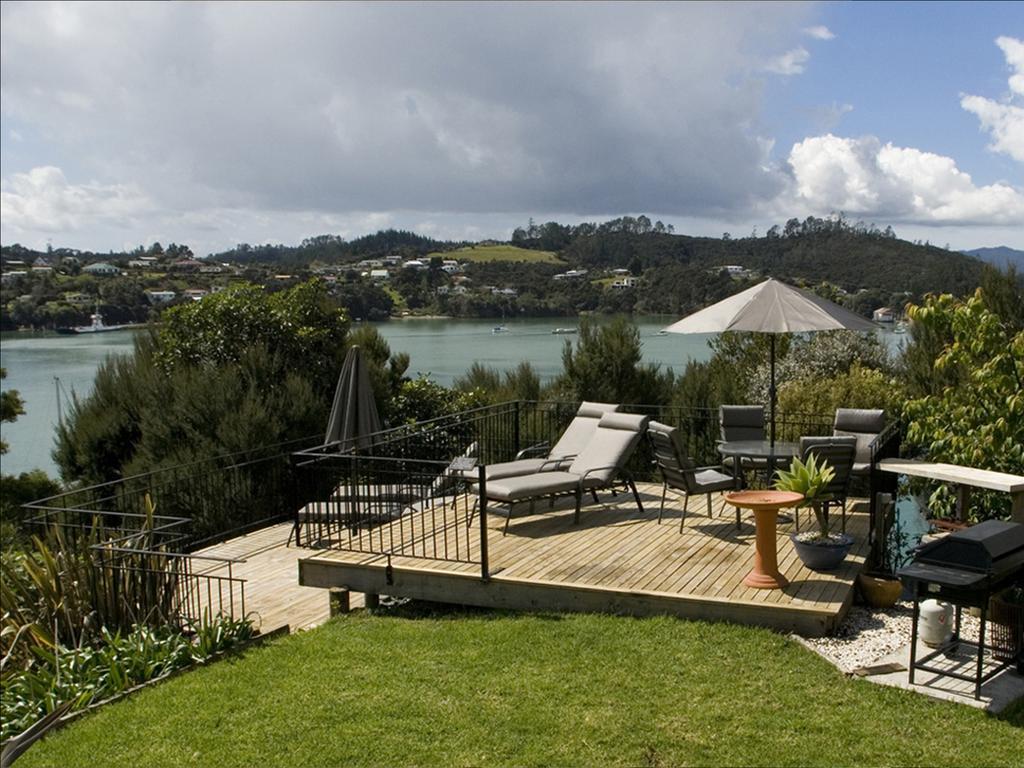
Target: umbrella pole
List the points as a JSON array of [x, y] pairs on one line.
[[771, 389]]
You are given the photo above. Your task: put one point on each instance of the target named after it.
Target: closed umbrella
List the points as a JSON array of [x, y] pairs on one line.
[[772, 307], [354, 415]]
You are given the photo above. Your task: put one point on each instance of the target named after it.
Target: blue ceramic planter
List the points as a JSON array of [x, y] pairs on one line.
[[821, 556]]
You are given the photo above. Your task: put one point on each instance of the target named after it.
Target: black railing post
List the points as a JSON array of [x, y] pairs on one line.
[[515, 429], [485, 573]]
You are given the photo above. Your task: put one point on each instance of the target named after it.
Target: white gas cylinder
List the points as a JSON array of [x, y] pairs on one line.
[[935, 624]]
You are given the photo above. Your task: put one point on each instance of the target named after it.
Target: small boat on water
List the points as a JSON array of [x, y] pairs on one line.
[[564, 330], [96, 325], [499, 329]]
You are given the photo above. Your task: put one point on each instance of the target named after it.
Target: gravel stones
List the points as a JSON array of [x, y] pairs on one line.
[[869, 634]]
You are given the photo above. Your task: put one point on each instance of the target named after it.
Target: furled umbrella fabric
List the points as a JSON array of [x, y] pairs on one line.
[[772, 307], [354, 417]]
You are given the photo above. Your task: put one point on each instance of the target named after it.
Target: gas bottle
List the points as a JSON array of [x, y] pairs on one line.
[[935, 624]]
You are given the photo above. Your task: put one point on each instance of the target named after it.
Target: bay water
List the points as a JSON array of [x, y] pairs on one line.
[[47, 368]]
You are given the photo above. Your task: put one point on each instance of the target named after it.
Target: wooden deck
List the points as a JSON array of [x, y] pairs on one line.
[[614, 560], [273, 595]]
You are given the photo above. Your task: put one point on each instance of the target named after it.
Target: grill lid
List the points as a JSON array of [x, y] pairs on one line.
[[993, 546]]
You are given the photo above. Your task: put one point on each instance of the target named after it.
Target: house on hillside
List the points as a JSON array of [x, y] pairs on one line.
[[625, 282], [101, 268], [160, 297], [572, 274], [195, 293], [884, 315], [78, 299], [379, 275]]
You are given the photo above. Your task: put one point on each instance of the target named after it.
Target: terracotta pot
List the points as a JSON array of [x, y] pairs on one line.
[[879, 591]]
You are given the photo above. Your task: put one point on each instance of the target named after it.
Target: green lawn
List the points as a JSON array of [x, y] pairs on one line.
[[501, 253], [481, 689]]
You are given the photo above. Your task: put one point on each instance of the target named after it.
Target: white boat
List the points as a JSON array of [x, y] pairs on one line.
[[564, 330], [499, 329], [96, 325]]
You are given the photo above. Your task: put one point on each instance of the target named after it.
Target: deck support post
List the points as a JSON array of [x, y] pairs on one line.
[[339, 601], [372, 601], [485, 569]]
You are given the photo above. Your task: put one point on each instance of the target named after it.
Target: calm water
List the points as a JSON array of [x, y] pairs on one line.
[[37, 365]]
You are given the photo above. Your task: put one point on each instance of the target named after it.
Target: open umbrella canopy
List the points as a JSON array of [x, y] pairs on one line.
[[772, 307], [354, 413]]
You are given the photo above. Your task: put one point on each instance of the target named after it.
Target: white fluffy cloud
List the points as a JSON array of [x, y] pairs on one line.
[[863, 177], [1004, 120], [43, 200], [819, 32], [790, 63]]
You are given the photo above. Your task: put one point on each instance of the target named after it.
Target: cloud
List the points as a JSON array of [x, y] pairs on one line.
[[863, 177], [427, 107], [790, 63], [1004, 120], [820, 32], [42, 199]]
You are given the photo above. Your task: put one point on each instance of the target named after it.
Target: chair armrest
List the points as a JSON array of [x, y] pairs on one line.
[[717, 467], [535, 451], [598, 469], [552, 464]]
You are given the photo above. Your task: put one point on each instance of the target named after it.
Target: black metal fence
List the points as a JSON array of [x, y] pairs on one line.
[[142, 532], [403, 496]]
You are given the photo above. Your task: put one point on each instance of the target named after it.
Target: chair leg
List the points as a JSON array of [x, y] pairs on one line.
[[661, 511], [636, 495], [508, 519], [686, 501], [579, 499], [709, 506], [594, 494], [844, 516]]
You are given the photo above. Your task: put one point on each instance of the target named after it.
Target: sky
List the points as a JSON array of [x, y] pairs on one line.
[[213, 124]]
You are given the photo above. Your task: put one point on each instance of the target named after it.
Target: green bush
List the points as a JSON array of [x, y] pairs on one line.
[[113, 664]]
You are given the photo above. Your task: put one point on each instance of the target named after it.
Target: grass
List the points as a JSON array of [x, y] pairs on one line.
[[501, 253], [492, 689]]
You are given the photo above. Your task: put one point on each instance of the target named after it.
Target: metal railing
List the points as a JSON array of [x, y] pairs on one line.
[[400, 497], [142, 533]]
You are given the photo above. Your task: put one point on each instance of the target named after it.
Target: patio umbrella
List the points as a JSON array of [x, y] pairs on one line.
[[354, 413], [772, 307]]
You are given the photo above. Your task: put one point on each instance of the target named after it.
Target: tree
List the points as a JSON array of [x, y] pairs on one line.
[[977, 421], [241, 370], [11, 406], [606, 366], [16, 490]]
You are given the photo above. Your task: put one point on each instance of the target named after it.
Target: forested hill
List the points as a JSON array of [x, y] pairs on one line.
[[851, 256], [333, 249]]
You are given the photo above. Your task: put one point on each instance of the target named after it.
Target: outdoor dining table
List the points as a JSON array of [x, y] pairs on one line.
[[765, 505], [757, 449]]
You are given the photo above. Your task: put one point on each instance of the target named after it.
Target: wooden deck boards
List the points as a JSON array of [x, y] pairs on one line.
[[618, 552]]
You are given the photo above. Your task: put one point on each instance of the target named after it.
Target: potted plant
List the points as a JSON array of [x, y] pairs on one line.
[[819, 550]]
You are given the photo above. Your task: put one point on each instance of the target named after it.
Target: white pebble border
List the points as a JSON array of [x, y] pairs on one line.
[[869, 634]]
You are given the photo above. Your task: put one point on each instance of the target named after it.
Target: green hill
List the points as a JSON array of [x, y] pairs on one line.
[[499, 252]]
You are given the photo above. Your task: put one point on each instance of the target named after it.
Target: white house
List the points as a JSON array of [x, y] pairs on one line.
[[572, 274], [884, 315], [626, 282], [101, 268], [379, 274], [195, 293], [78, 299], [160, 297]]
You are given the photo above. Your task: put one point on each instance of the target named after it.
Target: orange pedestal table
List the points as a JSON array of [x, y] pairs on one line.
[[766, 506]]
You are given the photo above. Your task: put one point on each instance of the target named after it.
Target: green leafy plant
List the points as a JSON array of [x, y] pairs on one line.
[[809, 478], [111, 665]]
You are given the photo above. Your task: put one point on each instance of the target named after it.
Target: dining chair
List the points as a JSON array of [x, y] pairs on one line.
[[679, 472]]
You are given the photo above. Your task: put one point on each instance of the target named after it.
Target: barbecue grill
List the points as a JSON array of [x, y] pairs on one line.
[[965, 568]]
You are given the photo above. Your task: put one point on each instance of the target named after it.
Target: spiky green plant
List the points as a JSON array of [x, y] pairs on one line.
[[808, 478]]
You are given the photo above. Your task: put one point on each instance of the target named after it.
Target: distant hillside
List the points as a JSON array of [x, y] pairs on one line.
[[497, 252], [1000, 257]]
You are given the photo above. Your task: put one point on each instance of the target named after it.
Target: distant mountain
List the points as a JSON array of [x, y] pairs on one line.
[[1000, 256]]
